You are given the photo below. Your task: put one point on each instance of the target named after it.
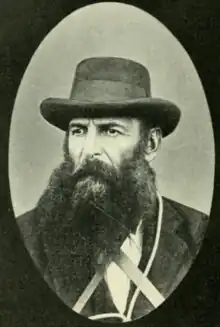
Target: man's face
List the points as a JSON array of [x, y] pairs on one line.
[[109, 140]]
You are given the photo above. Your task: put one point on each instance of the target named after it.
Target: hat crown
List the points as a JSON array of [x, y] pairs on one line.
[[110, 78]]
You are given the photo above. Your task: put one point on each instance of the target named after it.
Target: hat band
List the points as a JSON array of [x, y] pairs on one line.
[[104, 90]]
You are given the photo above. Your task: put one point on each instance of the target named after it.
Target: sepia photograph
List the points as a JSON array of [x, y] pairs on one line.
[[111, 179]]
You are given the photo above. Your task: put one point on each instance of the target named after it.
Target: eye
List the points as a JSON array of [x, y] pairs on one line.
[[112, 132], [77, 131]]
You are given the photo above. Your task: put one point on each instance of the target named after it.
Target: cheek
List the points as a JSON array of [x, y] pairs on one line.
[[121, 151], [75, 149]]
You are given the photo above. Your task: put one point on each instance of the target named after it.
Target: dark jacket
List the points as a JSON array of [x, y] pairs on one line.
[[181, 236]]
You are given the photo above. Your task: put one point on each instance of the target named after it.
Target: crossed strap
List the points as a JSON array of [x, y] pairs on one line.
[[133, 272]]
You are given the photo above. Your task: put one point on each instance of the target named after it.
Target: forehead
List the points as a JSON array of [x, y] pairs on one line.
[[127, 122]]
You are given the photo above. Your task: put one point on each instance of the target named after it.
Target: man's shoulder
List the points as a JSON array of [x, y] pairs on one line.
[[194, 216], [26, 215], [26, 223], [184, 216], [29, 229], [183, 209]]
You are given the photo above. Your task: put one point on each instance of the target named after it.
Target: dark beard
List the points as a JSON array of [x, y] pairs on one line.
[[91, 212]]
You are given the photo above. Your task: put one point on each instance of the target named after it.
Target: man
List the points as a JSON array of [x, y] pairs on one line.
[[102, 207]]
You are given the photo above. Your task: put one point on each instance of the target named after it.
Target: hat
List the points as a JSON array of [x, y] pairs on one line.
[[111, 87]]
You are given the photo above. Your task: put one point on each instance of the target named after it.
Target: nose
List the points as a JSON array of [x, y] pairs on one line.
[[92, 147]]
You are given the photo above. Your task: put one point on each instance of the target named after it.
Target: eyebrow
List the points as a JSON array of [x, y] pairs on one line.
[[110, 123], [78, 123], [115, 122]]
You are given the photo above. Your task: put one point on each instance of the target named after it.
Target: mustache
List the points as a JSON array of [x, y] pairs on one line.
[[97, 169]]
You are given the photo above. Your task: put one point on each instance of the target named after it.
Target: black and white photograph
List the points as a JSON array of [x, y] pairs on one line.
[[111, 162]]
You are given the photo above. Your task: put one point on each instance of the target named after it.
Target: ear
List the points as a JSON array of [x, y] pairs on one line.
[[153, 143]]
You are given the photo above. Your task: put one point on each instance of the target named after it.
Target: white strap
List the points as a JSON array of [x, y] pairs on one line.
[[142, 282], [90, 289], [133, 272]]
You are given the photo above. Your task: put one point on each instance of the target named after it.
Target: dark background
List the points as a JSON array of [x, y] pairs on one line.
[[25, 299]]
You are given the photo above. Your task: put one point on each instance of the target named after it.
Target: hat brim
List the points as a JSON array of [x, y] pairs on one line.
[[160, 113]]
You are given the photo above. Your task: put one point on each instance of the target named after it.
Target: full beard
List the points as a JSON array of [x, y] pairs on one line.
[[91, 212]]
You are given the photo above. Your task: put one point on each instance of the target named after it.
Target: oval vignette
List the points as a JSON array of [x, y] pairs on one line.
[[117, 45]]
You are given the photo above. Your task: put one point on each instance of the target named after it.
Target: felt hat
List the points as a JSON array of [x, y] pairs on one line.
[[111, 87]]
